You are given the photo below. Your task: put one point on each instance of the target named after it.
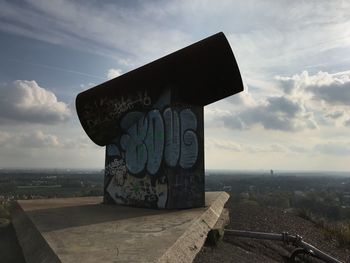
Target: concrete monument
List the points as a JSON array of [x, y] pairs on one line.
[[151, 122]]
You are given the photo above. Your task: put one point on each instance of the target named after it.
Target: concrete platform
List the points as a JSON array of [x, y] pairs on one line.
[[84, 230]]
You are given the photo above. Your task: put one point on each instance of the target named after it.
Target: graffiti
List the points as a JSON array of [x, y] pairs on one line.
[[172, 141], [152, 161], [117, 170], [154, 135], [134, 147], [189, 142], [106, 109], [129, 190], [148, 142]]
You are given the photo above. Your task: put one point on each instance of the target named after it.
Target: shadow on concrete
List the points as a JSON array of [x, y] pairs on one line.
[[10, 250], [65, 217]]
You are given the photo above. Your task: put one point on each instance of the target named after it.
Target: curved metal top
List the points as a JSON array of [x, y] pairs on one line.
[[199, 74]]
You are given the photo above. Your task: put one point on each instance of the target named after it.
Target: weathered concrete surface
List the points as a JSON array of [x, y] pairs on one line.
[[84, 230], [217, 232]]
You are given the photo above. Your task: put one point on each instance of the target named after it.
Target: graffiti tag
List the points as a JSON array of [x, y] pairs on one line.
[[107, 109], [153, 135]]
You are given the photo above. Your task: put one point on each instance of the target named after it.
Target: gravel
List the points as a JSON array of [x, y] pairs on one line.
[[255, 218]]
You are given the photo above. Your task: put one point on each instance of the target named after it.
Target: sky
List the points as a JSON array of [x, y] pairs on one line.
[[294, 113]]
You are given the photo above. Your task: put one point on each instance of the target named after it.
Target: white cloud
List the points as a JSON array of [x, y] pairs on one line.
[[38, 139], [129, 32], [329, 88], [113, 73], [335, 114], [26, 101], [268, 38], [263, 34], [223, 144], [242, 99], [30, 139], [326, 95], [302, 102]]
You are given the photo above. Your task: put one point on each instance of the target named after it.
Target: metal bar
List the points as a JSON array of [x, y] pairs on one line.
[[320, 254], [297, 240], [258, 235]]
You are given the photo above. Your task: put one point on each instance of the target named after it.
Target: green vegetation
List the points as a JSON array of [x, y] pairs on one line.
[[5, 210], [339, 231], [323, 200], [50, 184]]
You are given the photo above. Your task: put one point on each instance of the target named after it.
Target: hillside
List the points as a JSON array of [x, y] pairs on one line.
[[256, 218]]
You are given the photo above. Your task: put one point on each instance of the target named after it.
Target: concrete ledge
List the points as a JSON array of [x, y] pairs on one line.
[[34, 246], [83, 229], [191, 241]]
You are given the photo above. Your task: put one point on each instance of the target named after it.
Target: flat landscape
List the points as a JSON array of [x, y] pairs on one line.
[[311, 204]]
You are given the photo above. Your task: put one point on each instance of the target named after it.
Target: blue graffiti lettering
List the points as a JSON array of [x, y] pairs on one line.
[[172, 137], [154, 141], [148, 138], [189, 142], [134, 147]]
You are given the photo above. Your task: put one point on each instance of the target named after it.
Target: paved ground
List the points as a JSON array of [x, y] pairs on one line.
[[84, 230], [10, 251], [231, 249]]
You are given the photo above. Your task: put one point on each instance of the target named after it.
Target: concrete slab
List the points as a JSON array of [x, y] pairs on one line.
[[84, 230]]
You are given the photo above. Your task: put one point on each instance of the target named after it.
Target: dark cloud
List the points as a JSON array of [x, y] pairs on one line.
[[335, 93], [24, 101], [286, 84], [283, 105]]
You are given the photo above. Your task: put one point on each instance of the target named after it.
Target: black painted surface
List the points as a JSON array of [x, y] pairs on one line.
[[199, 74], [151, 121]]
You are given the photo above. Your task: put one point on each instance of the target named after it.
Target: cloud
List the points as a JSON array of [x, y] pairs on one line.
[[230, 145], [130, 32], [337, 93], [38, 139], [301, 102], [26, 101], [113, 73], [274, 34], [31, 139], [322, 86], [275, 113], [335, 115], [223, 144], [324, 94], [41, 139], [242, 99]]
